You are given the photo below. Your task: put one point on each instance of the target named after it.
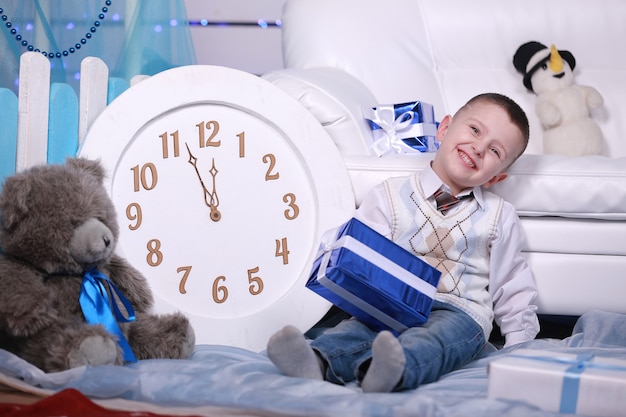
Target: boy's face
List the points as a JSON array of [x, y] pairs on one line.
[[477, 145]]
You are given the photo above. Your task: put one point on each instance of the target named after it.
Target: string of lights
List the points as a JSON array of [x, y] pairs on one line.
[[55, 54]]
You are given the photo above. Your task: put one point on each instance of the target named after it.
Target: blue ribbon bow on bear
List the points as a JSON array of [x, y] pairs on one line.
[[96, 305]]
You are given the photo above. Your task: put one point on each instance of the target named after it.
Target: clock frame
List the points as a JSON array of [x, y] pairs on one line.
[[223, 185]]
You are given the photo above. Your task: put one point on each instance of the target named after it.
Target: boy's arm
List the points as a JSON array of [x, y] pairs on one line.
[[374, 211], [511, 282]]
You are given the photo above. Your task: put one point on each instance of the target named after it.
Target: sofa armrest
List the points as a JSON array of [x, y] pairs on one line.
[[336, 99]]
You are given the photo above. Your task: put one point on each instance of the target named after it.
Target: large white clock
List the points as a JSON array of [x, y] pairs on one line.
[[223, 185]]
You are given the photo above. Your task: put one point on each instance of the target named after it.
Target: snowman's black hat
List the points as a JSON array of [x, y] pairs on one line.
[[527, 52]]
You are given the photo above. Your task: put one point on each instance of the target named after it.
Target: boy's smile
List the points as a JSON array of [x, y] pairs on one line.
[[477, 145], [465, 157]]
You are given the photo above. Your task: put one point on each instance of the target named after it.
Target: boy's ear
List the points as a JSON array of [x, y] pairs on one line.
[[443, 127], [496, 179]]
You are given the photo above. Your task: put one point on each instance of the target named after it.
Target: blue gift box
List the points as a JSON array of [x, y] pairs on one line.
[[402, 128], [374, 279]]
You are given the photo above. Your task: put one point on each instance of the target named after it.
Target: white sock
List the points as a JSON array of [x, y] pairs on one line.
[[387, 365], [291, 353]]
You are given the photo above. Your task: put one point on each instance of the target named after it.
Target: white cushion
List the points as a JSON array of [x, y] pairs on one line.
[[335, 98]]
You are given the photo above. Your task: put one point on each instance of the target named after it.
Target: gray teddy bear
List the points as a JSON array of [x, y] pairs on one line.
[[66, 298]]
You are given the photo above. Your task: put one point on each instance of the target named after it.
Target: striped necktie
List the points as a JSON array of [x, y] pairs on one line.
[[445, 201]]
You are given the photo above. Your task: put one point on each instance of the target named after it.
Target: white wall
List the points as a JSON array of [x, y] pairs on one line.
[[248, 48]]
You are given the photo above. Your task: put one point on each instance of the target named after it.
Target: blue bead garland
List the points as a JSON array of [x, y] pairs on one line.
[[24, 43]]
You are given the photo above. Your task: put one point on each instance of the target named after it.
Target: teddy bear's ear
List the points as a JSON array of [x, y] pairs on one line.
[[92, 167], [14, 200]]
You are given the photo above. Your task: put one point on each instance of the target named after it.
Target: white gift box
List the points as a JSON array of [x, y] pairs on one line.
[[560, 382]]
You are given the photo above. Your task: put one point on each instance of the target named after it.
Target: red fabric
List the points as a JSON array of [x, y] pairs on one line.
[[66, 403]]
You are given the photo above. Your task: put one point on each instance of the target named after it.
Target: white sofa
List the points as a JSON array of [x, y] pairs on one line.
[[342, 55]]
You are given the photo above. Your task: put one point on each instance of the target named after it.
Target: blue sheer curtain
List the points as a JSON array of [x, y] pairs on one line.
[[131, 36]]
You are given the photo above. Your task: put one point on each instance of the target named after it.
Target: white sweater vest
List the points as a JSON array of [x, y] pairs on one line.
[[456, 244]]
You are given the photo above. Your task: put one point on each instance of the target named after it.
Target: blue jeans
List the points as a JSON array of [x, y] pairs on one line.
[[447, 341]]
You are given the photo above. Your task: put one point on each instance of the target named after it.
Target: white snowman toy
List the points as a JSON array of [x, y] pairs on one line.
[[563, 107]]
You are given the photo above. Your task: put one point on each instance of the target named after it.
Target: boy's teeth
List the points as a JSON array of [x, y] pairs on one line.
[[467, 160]]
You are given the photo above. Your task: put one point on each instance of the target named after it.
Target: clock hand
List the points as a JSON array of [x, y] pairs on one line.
[[210, 198], [215, 201], [194, 161]]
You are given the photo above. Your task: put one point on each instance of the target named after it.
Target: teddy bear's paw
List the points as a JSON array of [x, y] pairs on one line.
[[168, 336], [188, 343], [94, 350]]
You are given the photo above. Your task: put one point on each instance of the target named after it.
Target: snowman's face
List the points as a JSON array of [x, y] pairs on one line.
[[545, 80]]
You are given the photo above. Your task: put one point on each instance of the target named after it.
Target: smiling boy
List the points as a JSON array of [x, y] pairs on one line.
[[474, 239], [481, 144]]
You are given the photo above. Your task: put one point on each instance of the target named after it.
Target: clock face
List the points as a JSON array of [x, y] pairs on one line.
[[223, 186], [223, 205]]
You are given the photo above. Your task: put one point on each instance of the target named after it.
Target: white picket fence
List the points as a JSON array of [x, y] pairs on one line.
[[47, 122]]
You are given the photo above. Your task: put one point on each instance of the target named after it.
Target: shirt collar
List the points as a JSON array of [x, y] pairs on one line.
[[430, 182]]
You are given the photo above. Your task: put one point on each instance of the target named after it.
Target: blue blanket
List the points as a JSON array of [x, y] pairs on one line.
[[233, 378]]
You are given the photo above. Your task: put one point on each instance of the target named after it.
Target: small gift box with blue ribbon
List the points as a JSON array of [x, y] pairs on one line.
[[402, 128], [561, 382], [369, 276]]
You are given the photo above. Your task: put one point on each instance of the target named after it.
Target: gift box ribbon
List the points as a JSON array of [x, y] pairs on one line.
[[96, 305], [396, 128], [365, 252], [571, 380]]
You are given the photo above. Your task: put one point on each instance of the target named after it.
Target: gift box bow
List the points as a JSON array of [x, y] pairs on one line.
[[330, 243], [391, 124], [571, 380]]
